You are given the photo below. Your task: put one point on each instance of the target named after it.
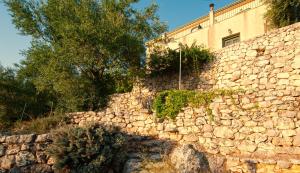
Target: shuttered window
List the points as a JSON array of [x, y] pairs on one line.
[[226, 41]]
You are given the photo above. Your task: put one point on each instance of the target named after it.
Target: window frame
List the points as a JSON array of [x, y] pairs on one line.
[[231, 38]]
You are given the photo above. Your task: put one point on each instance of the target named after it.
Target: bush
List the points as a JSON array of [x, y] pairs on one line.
[[88, 149], [170, 102], [282, 12], [162, 61]]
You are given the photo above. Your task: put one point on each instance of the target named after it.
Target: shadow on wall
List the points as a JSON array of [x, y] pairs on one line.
[[27, 153]]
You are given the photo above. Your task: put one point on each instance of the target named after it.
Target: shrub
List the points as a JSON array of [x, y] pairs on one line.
[[88, 149], [282, 12], [162, 61], [170, 102]]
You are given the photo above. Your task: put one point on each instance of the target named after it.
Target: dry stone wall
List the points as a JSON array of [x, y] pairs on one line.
[[255, 131], [25, 153], [260, 126]]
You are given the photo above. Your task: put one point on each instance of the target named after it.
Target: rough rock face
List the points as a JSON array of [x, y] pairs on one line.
[[188, 160], [25, 153]]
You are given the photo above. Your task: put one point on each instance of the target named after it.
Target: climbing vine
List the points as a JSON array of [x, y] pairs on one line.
[[170, 102]]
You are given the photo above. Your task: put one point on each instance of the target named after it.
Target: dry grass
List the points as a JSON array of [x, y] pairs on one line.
[[40, 125]]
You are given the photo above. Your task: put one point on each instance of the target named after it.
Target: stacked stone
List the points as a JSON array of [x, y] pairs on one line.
[[262, 125], [25, 153]]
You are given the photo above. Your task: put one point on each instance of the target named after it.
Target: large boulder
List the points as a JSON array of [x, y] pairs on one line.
[[186, 159]]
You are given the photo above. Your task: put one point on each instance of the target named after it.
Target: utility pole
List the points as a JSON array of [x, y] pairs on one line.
[[179, 84]]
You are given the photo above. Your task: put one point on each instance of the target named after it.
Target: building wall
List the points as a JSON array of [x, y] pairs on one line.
[[248, 20]]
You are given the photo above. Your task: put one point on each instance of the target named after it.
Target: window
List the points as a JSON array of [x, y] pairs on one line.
[[226, 41]]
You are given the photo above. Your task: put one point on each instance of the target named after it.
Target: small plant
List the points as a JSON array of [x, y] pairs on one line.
[[162, 61], [90, 149], [169, 103]]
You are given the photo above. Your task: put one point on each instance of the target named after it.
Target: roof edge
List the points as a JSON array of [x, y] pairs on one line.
[[201, 19]]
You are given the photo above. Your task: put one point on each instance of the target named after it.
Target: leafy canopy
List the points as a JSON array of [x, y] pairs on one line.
[[82, 48], [283, 12], [19, 99]]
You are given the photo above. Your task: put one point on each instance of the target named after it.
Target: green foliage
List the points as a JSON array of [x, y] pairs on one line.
[[170, 102], [19, 100], [163, 61], [90, 149], [283, 12], [81, 49]]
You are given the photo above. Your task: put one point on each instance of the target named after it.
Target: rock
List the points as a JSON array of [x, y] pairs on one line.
[[171, 128], [2, 150], [288, 133], [283, 164], [43, 138], [132, 166], [236, 76], [285, 123], [2, 139], [259, 129], [207, 128], [250, 123], [247, 146], [216, 163], [7, 162], [283, 75], [24, 158], [296, 63], [14, 139], [27, 138], [13, 149], [25, 147], [51, 161], [186, 159], [190, 138], [289, 114], [139, 123], [224, 132], [251, 53], [41, 157], [296, 141], [287, 141]]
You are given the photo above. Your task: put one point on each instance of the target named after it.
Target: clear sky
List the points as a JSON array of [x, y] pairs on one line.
[[174, 12]]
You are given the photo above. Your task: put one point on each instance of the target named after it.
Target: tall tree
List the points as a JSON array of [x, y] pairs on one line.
[[283, 12], [80, 46]]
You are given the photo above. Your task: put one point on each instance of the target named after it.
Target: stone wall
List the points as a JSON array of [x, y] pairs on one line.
[[257, 131], [261, 127], [25, 153]]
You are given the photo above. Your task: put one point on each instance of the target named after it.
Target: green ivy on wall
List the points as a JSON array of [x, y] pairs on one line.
[[170, 102]]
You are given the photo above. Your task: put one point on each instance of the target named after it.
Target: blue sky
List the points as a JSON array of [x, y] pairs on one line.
[[174, 12]]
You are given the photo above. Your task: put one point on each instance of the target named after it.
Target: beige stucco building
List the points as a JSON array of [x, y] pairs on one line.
[[236, 22]]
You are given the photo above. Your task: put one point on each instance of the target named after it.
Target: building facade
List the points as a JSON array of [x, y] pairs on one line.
[[233, 23]]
